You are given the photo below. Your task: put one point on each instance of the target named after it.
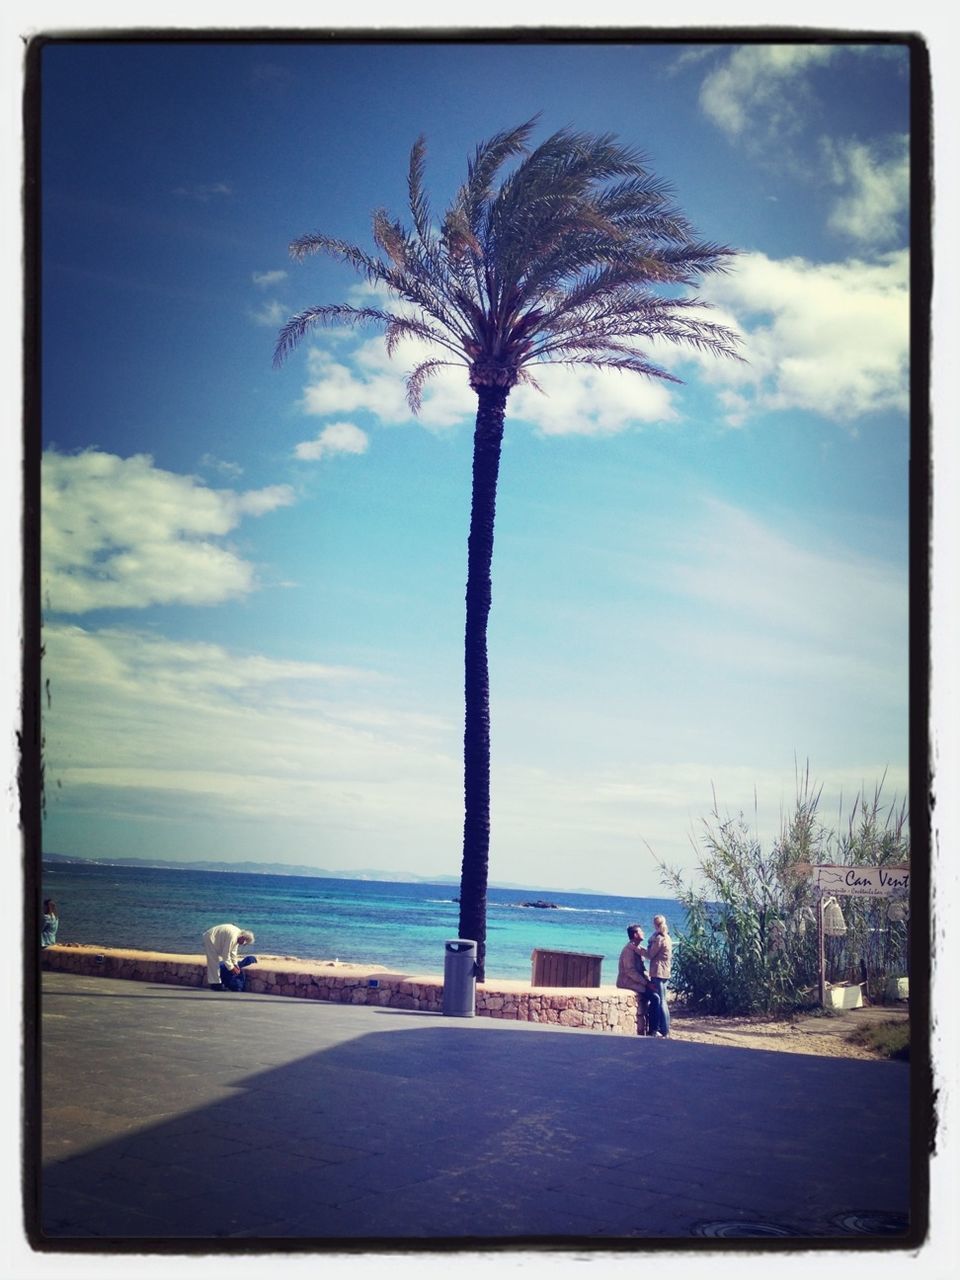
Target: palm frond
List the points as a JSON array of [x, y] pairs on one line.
[[700, 335], [711, 339], [415, 380], [691, 261], [632, 364], [391, 238], [400, 327], [375, 271], [568, 256], [592, 288], [642, 192], [525, 376], [486, 163], [319, 317], [560, 172], [419, 203], [409, 279], [458, 237]]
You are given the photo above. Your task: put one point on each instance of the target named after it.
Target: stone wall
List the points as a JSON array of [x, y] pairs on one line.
[[594, 1008]]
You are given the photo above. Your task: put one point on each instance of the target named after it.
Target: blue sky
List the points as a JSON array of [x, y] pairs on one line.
[[253, 579]]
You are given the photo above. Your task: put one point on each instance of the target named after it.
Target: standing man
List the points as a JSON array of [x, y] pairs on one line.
[[631, 976], [222, 943]]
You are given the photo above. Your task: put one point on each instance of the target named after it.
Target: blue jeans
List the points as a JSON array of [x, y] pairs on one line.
[[236, 981], [651, 1002], [661, 1022]]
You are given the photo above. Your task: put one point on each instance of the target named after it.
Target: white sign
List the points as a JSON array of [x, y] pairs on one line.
[[863, 882]]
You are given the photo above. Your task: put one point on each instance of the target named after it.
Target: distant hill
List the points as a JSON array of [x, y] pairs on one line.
[[282, 869], [255, 868]]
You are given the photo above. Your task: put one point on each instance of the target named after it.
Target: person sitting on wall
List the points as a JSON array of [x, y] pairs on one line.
[[224, 964], [632, 976]]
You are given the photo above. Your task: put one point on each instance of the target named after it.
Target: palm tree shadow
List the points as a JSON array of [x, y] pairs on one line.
[[453, 1136]]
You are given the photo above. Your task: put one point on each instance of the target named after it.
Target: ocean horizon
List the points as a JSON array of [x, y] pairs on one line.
[[253, 867], [396, 923]]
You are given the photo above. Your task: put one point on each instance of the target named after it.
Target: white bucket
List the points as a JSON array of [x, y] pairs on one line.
[[844, 998]]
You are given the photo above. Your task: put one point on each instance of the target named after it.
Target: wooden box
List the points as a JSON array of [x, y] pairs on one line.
[[564, 968]]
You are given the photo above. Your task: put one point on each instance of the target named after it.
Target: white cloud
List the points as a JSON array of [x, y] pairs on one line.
[[338, 437], [573, 402], [654, 810], [876, 183], [257, 502], [232, 470], [336, 387], [123, 533], [759, 92], [793, 611], [325, 763], [203, 191], [241, 735], [762, 97], [267, 278], [271, 315], [801, 643], [768, 646], [366, 379], [590, 402], [831, 338], [178, 669]]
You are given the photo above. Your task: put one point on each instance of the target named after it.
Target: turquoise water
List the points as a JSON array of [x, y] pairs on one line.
[[403, 925]]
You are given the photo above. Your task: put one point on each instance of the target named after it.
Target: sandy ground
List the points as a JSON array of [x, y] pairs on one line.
[[807, 1033]]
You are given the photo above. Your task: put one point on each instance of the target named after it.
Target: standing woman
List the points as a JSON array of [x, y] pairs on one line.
[[658, 954], [49, 924]]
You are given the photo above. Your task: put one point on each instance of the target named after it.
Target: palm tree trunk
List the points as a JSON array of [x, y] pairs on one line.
[[487, 440]]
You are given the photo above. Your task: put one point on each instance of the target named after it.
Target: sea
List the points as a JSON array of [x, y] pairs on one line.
[[396, 924]]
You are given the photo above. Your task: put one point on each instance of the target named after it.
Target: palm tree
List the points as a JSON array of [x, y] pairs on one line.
[[566, 258]]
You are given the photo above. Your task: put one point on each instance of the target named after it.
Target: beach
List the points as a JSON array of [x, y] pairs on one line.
[[810, 1033]]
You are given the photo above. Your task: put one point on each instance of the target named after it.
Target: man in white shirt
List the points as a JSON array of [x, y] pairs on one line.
[[222, 944]]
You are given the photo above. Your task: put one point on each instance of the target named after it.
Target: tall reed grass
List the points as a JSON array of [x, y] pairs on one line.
[[750, 943]]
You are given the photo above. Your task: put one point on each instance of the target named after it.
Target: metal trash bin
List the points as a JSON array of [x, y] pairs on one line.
[[459, 978]]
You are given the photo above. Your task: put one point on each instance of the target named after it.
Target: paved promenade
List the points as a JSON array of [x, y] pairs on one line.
[[179, 1115]]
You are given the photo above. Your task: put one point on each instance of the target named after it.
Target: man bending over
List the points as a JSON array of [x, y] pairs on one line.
[[224, 966]]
